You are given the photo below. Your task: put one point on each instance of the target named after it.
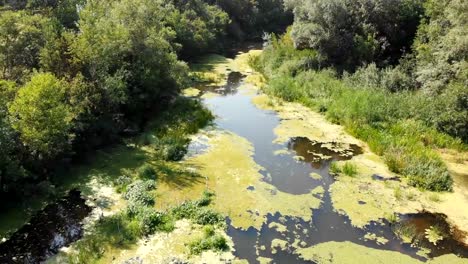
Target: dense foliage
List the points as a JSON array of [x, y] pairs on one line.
[[78, 74], [410, 95], [349, 33]]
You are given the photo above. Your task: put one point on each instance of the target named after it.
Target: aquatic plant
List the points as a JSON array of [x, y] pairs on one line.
[[434, 197], [398, 193], [335, 168], [406, 232], [350, 169], [434, 234]]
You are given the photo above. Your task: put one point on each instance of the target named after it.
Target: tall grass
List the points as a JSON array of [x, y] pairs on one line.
[[392, 123]]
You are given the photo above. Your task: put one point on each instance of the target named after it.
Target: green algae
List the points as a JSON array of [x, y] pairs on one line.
[[350, 253], [278, 227], [379, 240], [360, 201], [315, 176], [264, 260], [278, 244], [229, 169]]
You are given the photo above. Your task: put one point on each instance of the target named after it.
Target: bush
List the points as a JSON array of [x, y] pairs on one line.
[[206, 216], [210, 241], [146, 172], [138, 193], [152, 221]]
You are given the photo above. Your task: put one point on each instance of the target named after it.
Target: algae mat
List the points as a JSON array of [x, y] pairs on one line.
[[240, 192]]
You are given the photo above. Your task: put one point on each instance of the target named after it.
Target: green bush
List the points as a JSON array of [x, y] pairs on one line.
[[152, 221], [138, 193], [210, 241], [206, 216], [146, 172]]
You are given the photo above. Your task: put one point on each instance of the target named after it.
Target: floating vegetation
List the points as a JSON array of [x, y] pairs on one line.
[[434, 234]]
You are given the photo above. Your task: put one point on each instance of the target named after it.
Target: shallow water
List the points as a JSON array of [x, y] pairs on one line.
[[283, 169]]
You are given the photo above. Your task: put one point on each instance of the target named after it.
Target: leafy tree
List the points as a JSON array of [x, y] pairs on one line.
[[125, 48], [351, 33], [21, 39], [198, 26], [250, 18], [42, 116], [441, 45]]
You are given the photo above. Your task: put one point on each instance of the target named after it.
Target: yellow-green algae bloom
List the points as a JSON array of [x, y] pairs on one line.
[[350, 253], [228, 169]]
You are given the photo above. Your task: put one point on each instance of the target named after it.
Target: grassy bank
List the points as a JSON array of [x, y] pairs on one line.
[[394, 124]]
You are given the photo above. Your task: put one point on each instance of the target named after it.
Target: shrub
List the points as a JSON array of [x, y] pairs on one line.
[[152, 221], [206, 216], [172, 148], [138, 192], [210, 241], [146, 172]]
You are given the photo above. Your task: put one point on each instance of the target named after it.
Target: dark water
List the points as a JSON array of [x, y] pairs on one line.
[[56, 226], [236, 113]]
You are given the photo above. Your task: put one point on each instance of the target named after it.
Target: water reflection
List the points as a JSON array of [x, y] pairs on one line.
[[56, 226]]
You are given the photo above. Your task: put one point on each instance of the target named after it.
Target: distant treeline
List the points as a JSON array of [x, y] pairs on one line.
[[79, 74]]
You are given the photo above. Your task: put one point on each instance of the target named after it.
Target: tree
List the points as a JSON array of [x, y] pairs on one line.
[[198, 26], [42, 116], [350, 33], [10, 168], [441, 46], [21, 39]]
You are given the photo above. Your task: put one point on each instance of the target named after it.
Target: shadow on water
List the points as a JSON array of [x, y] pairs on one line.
[[283, 169], [56, 226]]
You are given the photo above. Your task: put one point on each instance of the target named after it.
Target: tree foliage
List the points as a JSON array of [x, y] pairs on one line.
[[42, 116], [351, 33], [441, 45]]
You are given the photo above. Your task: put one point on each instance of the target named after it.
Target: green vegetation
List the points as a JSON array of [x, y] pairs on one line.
[[209, 241], [78, 75], [335, 168], [380, 103], [350, 169]]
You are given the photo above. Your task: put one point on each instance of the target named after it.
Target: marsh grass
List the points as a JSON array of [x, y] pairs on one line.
[[335, 169], [434, 197], [350, 169], [398, 193], [395, 125]]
